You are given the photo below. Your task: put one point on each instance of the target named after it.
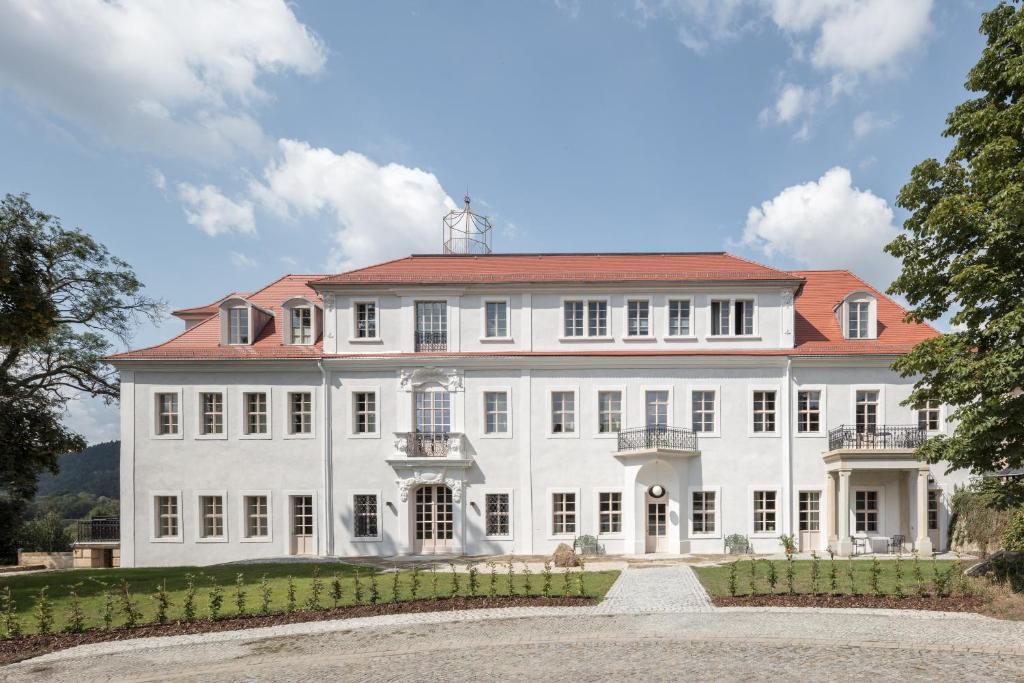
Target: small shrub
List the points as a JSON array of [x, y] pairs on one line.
[[374, 591], [357, 589], [163, 602], [815, 573], [876, 572], [526, 580], [788, 543], [129, 607], [851, 576], [790, 574], [472, 571], [510, 570], [265, 593], [753, 576], [395, 597], [546, 580], [773, 576], [898, 579], [290, 595], [216, 600], [316, 591], [240, 594], [492, 587], [581, 583], [414, 583], [336, 589], [107, 611], [919, 584], [833, 573], [940, 579], [12, 626], [43, 611], [455, 580], [1013, 537], [732, 579], [188, 605], [433, 581], [566, 583], [75, 613]]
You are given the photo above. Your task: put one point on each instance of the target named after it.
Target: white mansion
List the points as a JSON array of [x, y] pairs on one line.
[[506, 403]]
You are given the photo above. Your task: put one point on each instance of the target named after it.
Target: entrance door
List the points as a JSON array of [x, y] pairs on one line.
[[934, 503], [810, 520], [302, 525], [433, 522], [657, 526]]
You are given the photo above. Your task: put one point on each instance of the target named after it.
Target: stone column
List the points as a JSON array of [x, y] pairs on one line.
[[830, 511], [844, 548], [924, 543]]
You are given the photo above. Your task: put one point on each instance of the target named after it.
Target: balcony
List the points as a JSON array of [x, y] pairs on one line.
[[440, 449], [660, 439], [431, 341], [881, 438], [99, 530]]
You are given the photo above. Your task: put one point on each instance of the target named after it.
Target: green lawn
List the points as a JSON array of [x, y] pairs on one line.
[[92, 583], [716, 579]]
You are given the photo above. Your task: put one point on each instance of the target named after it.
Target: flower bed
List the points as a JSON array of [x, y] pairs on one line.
[[949, 603]]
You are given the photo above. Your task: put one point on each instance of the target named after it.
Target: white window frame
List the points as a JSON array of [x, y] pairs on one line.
[[549, 410], [248, 325], [860, 297], [286, 431], [511, 513], [668, 319], [154, 413], [242, 391], [718, 409], [508, 433], [779, 508], [586, 336], [822, 411], [941, 410], [286, 514], [549, 525], [670, 389], [380, 515], [732, 299], [621, 533], [243, 518], [649, 300], [508, 319], [197, 505], [822, 509], [880, 414], [939, 512], [354, 337], [880, 493], [375, 390], [198, 398], [598, 390], [717, 490], [778, 410], [154, 517]]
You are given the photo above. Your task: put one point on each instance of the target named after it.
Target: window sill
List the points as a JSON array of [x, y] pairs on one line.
[[299, 344], [606, 435], [764, 435], [366, 435], [256, 539], [572, 340], [211, 437], [809, 435], [212, 539], [167, 437], [734, 337], [563, 435], [255, 437], [611, 537], [367, 539], [497, 340], [499, 538], [300, 437], [365, 340], [704, 537], [639, 338], [708, 435], [765, 534], [498, 435], [680, 338], [166, 539]]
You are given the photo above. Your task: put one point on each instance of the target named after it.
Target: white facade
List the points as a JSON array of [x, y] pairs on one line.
[[555, 482]]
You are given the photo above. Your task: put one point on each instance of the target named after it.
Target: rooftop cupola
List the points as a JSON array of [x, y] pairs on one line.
[[465, 232]]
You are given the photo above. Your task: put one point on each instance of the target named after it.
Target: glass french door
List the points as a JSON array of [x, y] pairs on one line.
[[810, 520], [302, 525], [433, 526], [657, 527]]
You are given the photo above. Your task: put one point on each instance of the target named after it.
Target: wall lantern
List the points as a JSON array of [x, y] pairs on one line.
[[656, 491]]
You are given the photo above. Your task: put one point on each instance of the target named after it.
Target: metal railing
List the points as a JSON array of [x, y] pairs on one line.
[[881, 437], [99, 530], [431, 341], [641, 438], [424, 445]]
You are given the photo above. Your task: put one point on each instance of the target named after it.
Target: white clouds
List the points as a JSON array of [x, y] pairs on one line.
[[240, 260], [794, 101], [699, 23], [158, 179], [868, 122], [92, 418], [827, 223], [213, 213], [380, 212], [177, 78]]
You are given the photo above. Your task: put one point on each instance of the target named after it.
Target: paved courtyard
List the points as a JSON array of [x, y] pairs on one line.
[[656, 624]]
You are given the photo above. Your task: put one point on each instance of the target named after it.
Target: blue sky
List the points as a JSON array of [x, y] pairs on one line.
[[218, 145]]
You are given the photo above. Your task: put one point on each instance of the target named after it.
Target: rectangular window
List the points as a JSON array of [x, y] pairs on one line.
[[859, 317], [167, 413], [866, 511], [703, 504], [238, 325], [867, 411], [563, 412], [431, 326], [495, 412], [563, 508], [588, 318], [365, 516], [609, 512], [808, 411], [928, 416], [366, 320], [167, 521], [597, 318], [609, 412], [574, 322], [498, 521], [300, 412], [638, 318], [764, 412], [810, 511], [255, 418], [732, 317], [679, 318], [212, 406], [933, 509], [703, 411], [211, 511], [257, 517], [365, 406], [433, 412], [764, 512], [656, 408], [302, 325], [496, 319]]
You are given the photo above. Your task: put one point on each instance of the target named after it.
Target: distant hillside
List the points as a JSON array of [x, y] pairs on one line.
[[94, 470]]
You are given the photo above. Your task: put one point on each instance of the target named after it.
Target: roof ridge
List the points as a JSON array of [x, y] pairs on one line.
[[367, 267], [756, 263]]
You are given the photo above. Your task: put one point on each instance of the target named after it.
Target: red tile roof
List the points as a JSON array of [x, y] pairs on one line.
[[208, 309], [817, 330], [522, 268]]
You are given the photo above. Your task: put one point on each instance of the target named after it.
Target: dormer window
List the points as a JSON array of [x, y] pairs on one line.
[[857, 316], [857, 322], [238, 325], [301, 325], [302, 322]]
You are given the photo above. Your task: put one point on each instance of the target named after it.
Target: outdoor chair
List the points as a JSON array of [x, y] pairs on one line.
[[860, 544], [586, 545], [896, 544]]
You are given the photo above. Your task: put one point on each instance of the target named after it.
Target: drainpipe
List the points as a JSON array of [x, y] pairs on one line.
[[326, 438], [787, 441]]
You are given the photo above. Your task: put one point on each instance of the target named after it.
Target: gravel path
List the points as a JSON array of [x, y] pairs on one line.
[[656, 589]]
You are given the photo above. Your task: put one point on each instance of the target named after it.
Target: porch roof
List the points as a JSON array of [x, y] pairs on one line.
[[873, 459]]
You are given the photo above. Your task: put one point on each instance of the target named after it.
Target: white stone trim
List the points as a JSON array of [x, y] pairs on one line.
[[243, 516], [823, 411], [268, 390], [717, 490], [549, 524], [154, 412], [621, 534], [509, 428], [717, 388], [286, 411], [623, 409], [779, 508], [549, 409], [197, 394], [154, 516], [779, 411], [197, 506], [511, 513], [351, 497]]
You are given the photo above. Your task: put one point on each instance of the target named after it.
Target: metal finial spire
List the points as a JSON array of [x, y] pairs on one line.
[[465, 232]]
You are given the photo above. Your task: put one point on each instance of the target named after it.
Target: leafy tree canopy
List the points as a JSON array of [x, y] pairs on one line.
[[963, 252]]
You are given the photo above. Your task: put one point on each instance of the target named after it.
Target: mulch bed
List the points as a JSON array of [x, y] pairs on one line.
[[952, 603], [18, 649]]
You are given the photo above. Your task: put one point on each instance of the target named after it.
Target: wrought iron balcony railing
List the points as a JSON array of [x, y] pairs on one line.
[[428, 445], [881, 437], [99, 530], [431, 341], [642, 438]]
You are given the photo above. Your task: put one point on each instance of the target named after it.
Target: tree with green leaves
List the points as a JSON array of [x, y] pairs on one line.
[[963, 254], [64, 300]]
